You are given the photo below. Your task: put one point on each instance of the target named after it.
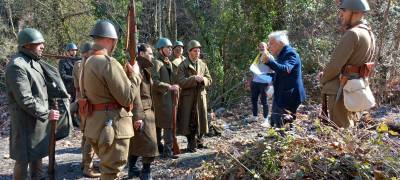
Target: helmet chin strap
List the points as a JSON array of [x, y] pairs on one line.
[[114, 46], [349, 24]]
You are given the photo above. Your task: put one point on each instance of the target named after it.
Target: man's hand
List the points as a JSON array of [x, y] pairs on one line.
[[174, 87], [265, 57], [199, 78], [54, 115], [319, 75], [128, 70], [138, 124]]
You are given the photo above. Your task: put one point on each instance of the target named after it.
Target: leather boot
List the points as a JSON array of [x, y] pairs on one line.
[[133, 170], [191, 143], [146, 172], [90, 172], [37, 172]]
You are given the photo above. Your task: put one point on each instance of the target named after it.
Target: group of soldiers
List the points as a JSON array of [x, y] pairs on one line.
[[125, 112]]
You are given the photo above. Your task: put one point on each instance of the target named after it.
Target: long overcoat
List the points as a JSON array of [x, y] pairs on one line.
[[163, 78], [144, 143], [191, 90], [27, 86]]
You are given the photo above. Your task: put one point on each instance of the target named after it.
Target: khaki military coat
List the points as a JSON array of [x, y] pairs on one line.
[[27, 87], [163, 78], [186, 80], [76, 73], [144, 143], [175, 64], [105, 81], [355, 48]]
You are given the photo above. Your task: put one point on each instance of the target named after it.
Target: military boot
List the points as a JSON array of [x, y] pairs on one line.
[[192, 145], [146, 172], [90, 172], [133, 170]]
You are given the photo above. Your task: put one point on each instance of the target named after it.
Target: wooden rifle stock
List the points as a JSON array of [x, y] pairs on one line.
[[175, 102], [131, 33], [52, 145]]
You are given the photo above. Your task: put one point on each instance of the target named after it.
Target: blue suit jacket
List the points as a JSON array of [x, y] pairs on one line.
[[288, 83]]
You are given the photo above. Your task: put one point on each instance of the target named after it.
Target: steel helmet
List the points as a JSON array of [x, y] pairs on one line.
[[193, 44], [104, 28], [355, 5], [29, 36], [163, 42], [85, 47], [178, 43], [71, 46]]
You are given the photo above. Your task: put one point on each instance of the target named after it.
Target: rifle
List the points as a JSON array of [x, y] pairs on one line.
[[175, 102], [61, 57], [131, 33], [52, 145]]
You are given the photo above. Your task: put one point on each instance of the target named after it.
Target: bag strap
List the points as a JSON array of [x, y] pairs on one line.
[[81, 81], [371, 34]]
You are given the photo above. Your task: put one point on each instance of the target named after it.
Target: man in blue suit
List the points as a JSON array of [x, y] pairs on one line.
[[288, 85]]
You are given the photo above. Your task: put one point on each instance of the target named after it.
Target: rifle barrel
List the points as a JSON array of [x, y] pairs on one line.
[[60, 57]]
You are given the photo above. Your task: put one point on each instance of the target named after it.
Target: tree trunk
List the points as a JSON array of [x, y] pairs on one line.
[[10, 17], [174, 29], [58, 25]]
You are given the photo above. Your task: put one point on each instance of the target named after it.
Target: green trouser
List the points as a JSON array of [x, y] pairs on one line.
[[112, 158], [21, 170]]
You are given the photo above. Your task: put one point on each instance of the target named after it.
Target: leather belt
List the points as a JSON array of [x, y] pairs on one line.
[[106, 106]]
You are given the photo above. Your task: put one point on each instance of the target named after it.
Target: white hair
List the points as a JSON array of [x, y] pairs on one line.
[[280, 36]]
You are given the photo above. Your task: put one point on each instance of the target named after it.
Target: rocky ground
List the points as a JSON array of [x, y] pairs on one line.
[[187, 166], [235, 138]]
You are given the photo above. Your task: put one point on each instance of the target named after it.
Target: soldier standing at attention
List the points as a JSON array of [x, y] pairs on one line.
[[107, 87], [178, 57], [65, 66], [144, 143], [86, 147], [355, 48], [28, 102], [193, 78], [163, 74]]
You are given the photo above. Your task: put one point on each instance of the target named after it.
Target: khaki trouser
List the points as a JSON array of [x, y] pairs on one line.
[[112, 158], [87, 154], [21, 170], [339, 114]]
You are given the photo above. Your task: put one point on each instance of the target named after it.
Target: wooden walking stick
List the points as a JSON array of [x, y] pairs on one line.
[[175, 102], [52, 145]]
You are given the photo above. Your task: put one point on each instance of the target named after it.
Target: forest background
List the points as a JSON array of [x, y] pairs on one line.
[[229, 31]]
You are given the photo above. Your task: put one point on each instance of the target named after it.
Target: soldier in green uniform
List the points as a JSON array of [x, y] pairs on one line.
[[193, 78], [355, 48], [178, 57], [86, 147], [144, 143], [163, 77], [28, 100], [111, 94]]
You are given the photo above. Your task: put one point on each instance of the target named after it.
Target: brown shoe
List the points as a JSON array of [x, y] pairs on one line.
[[90, 173]]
